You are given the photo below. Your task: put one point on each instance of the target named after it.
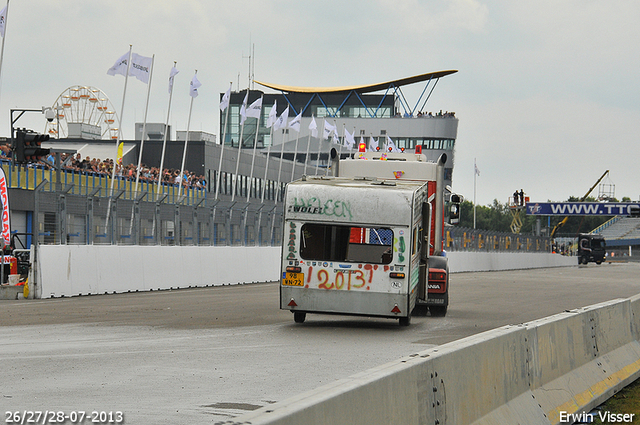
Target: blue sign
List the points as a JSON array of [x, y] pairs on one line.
[[582, 208]]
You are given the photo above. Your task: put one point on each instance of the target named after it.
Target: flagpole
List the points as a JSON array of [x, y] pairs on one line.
[[306, 157], [280, 167], [113, 171], [253, 157], [164, 141], [344, 126], [144, 124], [224, 130], [186, 142], [235, 176], [324, 121], [266, 164], [295, 154], [475, 174], [3, 38]]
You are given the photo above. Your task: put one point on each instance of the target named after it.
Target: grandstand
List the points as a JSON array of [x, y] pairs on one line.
[[622, 234]]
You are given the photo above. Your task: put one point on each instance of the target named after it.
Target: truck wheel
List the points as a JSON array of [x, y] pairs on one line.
[[438, 311], [599, 262], [299, 316], [405, 321], [419, 310]]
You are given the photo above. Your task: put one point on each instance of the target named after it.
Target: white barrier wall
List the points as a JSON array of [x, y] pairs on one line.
[[67, 270], [460, 261], [536, 373]]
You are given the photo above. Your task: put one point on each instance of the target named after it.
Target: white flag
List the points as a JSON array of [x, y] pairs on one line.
[[349, 140], [243, 109], [273, 115], [224, 104], [120, 67], [313, 127], [281, 122], [140, 67], [3, 20], [391, 145], [194, 86], [172, 74], [476, 169], [255, 108], [328, 130], [373, 145], [295, 123]]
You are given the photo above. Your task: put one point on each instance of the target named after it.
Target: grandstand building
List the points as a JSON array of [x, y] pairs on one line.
[[241, 200]]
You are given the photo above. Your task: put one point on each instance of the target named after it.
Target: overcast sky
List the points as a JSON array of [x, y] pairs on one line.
[[547, 92]]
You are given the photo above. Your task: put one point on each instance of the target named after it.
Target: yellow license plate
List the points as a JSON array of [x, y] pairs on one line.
[[293, 279]]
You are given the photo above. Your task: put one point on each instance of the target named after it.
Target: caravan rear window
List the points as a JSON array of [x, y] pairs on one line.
[[326, 242]]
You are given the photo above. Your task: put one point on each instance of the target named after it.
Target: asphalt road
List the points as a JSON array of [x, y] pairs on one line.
[[208, 354]]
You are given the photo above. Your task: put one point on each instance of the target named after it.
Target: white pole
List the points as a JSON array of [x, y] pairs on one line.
[[266, 167], [320, 145], [164, 141], [280, 167], [3, 38], [186, 142], [306, 158], [235, 176], [253, 157], [144, 124], [224, 129], [474, 192], [295, 155], [119, 134]]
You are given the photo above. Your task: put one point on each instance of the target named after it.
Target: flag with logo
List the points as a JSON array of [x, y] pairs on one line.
[[373, 145], [120, 153], [329, 129], [172, 74], [120, 67], [194, 86], [273, 115], [295, 123], [243, 108], [391, 147], [254, 109], [349, 140], [224, 104], [3, 20], [313, 127], [282, 120], [140, 67]]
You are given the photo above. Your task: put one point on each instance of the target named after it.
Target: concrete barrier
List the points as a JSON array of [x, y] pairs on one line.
[[462, 261], [538, 372], [67, 270]]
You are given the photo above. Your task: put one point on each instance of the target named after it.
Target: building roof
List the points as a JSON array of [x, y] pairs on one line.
[[369, 88]]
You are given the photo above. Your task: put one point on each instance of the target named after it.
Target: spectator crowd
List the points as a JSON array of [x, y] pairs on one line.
[[104, 168]]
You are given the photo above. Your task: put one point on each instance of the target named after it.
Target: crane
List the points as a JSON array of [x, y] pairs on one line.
[[564, 220]]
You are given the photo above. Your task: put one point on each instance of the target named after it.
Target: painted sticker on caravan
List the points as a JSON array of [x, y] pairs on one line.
[[329, 207]]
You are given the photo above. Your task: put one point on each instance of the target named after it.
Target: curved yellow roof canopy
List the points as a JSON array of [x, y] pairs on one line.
[[360, 89]]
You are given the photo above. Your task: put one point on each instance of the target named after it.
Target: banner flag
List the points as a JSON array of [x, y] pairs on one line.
[[224, 104], [194, 86], [313, 127], [4, 198], [295, 123], [273, 115], [255, 108], [172, 74]]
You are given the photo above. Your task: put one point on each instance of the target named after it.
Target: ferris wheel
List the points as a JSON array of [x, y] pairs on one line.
[[87, 105]]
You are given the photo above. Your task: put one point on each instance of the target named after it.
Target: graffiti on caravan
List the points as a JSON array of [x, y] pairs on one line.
[[329, 207]]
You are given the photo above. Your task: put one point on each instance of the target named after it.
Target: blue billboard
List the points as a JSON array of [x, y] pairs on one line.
[[582, 208]]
